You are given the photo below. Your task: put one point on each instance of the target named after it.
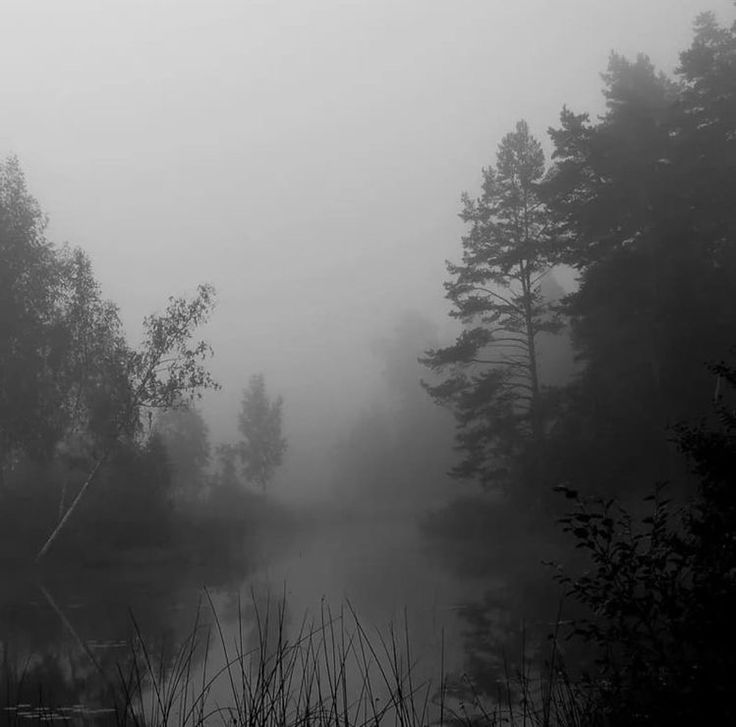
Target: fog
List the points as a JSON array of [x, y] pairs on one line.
[[306, 158], [309, 160]]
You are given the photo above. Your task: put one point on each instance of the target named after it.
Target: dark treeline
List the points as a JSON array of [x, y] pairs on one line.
[[96, 430], [639, 203]]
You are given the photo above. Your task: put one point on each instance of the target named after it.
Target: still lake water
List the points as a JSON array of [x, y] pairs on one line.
[[62, 638]]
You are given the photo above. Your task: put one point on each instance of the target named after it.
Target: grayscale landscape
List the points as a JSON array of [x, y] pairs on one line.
[[367, 363]]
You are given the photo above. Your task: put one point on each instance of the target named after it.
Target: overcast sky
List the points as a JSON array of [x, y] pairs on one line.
[[304, 156]]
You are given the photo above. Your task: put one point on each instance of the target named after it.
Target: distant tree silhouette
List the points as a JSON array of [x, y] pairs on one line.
[[260, 423], [185, 437]]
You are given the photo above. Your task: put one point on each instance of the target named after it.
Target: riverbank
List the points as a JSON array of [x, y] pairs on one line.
[[190, 535], [331, 669]]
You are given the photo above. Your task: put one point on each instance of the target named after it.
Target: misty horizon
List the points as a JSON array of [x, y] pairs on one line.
[[307, 159]]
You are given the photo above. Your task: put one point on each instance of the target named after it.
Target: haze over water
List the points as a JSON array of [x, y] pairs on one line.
[[307, 158]]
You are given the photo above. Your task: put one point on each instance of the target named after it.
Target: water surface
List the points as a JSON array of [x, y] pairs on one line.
[[67, 637]]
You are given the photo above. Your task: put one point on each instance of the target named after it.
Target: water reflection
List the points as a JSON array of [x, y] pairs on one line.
[[69, 640]]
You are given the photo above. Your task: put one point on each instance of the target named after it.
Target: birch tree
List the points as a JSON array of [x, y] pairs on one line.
[[166, 371]]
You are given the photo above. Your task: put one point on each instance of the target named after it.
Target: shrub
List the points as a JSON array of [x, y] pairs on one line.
[[660, 590]]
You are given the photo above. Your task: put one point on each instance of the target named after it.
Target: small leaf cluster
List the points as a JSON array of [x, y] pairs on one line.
[[168, 369], [638, 569]]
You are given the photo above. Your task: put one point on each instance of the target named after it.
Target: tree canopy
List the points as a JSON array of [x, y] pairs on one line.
[[641, 200], [72, 391], [63, 358]]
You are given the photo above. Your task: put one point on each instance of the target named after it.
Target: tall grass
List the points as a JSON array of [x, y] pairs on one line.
[[324, 671], [328, 673]]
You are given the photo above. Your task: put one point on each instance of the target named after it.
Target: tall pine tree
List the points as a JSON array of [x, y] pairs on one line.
[[492, 370]]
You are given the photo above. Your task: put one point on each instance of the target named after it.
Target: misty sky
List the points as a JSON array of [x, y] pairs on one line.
[[304, 156]]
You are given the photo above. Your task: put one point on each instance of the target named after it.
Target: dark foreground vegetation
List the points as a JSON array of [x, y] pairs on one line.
[[629, 455], [330, 669]]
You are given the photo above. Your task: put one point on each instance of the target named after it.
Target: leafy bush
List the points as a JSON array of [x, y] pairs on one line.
[[660, 590]]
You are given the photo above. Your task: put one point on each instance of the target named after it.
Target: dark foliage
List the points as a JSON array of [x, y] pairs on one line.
[[73, 394], [660, 589], [492, 381], [642, 206]]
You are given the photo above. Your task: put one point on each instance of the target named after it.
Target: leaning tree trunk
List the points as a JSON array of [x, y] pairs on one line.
[[72, 507]]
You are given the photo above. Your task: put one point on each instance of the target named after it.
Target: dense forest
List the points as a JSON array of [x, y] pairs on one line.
[[594, 427], [634, 457]]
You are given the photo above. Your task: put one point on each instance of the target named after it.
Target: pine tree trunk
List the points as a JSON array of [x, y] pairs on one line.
[[534, 413]]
